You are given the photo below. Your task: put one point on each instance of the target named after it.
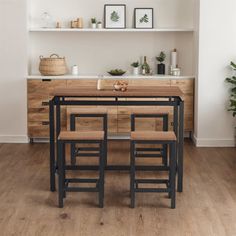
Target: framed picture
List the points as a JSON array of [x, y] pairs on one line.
[[143, 18], [115, 16]]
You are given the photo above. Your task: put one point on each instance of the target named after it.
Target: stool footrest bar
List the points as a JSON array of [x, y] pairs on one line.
[[86, 149], [149, 149], [140, 155], [87, 155], [151, 181], [152, 190], [78, 189], [81, 180]]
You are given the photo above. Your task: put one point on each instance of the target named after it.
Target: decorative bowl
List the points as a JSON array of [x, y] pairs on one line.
[[116, 72]]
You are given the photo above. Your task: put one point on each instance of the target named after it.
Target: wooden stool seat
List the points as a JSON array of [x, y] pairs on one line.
[[147, 111], [86, 111], [153, 135], [84, 135]]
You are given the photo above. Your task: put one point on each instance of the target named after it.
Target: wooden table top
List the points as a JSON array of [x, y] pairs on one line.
[[162, 91]]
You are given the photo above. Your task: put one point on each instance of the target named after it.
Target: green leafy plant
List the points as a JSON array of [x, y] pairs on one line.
[[232, 81], [93, 20], [144, 19], [115, 16], [161, 58], [135, 64]]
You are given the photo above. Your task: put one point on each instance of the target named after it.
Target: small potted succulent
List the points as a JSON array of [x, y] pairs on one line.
[[135, 66], [232, 105], [93, 23], [161, 68], [99, 25]]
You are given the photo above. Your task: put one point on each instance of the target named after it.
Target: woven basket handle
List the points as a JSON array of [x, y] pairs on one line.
[[54, 55]]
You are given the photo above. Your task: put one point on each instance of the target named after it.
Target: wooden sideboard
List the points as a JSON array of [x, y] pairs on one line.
[[118, 117]]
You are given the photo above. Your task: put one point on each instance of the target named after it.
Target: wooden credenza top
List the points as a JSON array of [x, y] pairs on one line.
[[162, 91]]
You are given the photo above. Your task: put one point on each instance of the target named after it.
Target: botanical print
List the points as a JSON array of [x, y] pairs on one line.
[[144, 19], [115, 16]]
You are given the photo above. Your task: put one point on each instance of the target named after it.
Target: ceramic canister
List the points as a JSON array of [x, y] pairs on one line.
[[74, 70]]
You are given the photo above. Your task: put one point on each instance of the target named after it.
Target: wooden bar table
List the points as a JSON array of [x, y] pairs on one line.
[[170, 96]]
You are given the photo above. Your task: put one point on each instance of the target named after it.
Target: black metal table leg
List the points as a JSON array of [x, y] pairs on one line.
[[52, 147], [180, 147]]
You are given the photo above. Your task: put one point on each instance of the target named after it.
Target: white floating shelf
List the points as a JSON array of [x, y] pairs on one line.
[[161, 77], [110, 30]]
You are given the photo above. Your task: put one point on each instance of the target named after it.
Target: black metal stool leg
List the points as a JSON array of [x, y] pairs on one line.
[[63, 169], [165, 146], [172, 173], [105, 141], [61, 183], [72, 149], [132, 174], [101, 174]]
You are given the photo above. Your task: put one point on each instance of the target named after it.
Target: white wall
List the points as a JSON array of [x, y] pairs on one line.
[[217, 37], [13, 64]]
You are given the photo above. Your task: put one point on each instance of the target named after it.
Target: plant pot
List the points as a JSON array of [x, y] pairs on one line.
[[135, 71], [161, 69], [94, 26], [99, 26]]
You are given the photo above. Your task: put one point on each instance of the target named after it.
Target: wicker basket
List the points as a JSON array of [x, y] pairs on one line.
[[53, 65]]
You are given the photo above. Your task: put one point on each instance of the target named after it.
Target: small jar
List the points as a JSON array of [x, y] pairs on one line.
[[74, 70], [46, 20], [100, 84], [99, 25]]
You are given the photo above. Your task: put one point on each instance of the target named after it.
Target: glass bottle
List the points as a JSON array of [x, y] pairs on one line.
[[145, 67], [46, 20]]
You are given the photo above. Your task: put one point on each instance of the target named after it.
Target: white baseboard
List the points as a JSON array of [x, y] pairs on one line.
[[201, 142], [14, 139]]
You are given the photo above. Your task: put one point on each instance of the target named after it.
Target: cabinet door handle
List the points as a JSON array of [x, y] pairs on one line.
[[46, 80], [172, 123], [45, 123], [45, 104]]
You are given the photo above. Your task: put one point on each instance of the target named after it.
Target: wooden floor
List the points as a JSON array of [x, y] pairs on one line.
[[206, 207]]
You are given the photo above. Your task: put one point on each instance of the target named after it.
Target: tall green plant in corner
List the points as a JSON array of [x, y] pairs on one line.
[[232, 81]]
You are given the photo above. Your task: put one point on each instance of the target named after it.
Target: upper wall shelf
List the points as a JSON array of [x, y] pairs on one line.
[[110, 30]]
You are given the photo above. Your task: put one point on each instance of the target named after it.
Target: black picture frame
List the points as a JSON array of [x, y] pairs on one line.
[[105, 14], [135, 18]]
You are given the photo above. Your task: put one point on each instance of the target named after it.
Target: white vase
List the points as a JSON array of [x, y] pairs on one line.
[[99, 26], [94, 26], [74, 70], [136, 71]]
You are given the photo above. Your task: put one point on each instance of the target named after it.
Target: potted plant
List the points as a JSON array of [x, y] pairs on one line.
[[135, 66], [99, 25], [161, 68], [93, 23], [232, 105]]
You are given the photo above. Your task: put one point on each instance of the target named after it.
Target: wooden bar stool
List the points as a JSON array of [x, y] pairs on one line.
[[73, 137], [150, 113], [153, 137], [87, 113]]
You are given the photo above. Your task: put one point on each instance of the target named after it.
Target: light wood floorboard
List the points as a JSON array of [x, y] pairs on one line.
[[207, 207]]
